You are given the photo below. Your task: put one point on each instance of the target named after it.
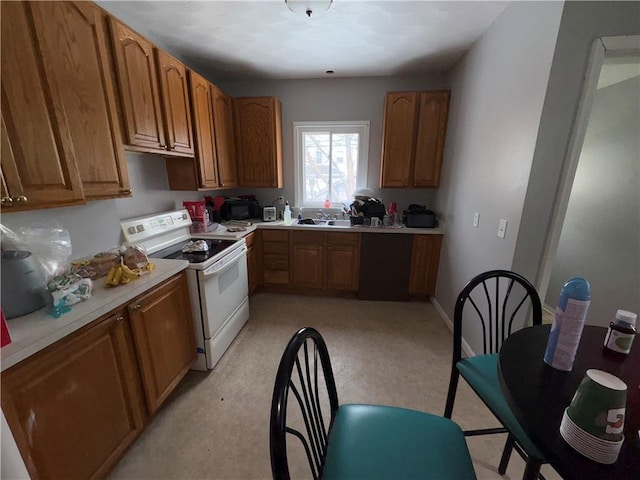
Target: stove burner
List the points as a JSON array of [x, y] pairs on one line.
[[175, 252]]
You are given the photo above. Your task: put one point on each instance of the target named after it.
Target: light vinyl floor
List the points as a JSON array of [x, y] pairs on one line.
[[215, 425]]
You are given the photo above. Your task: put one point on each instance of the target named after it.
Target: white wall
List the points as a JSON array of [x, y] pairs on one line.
[[582, 23], [335, 99], [496, 102], [96, 226], [600, 237]]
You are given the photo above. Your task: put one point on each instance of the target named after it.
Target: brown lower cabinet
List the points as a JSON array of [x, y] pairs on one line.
[[424, 264], [163, 333], [253, 260], [331, 261], [275, 257], [76, 406]]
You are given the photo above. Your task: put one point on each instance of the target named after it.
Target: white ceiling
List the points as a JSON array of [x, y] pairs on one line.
[[264, 39]]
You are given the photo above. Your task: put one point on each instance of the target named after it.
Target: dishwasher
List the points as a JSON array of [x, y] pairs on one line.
[[385, 266]]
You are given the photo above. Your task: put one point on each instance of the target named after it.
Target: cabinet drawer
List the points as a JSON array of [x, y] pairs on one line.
[[275, 235], [278, 277], [308, 238], [343, 238], [276, 262]]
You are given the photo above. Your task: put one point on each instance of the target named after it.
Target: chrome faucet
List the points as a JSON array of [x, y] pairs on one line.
[[323, 214]]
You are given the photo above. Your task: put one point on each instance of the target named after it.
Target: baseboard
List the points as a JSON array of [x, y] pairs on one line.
[[466, 348]]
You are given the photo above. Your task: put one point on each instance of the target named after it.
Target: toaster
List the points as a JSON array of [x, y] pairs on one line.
[[269, 214]]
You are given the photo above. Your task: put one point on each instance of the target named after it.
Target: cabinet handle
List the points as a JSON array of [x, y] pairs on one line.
[[119, 319], [21, 199], [169, 147], [7, 201], [126, 191], [162, 146], [137, 306]]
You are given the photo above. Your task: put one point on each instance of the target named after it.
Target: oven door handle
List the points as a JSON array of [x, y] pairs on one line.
[[225, 262]]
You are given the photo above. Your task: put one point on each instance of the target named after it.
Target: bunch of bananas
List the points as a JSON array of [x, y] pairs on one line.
[[120, 275]]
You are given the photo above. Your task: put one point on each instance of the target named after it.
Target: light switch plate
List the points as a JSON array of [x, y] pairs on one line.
[[502, 228], [476, 219]]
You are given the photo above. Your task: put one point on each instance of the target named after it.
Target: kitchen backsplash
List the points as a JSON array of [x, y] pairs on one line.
[[96, 226]]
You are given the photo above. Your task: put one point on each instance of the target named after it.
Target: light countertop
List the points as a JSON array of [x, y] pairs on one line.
[[221, 230], [36, 331]]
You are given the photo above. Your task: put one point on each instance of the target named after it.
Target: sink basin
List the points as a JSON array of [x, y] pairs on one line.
[[311, 221], [323, 223], [339, 223]]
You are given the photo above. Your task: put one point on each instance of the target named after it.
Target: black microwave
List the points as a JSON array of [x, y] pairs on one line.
[[240, 210]]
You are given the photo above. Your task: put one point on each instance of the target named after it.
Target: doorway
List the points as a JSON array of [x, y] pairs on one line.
[[596, 231]]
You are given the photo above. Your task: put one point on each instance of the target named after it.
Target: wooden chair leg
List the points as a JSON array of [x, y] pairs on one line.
[[532, 469], [506, 454], [451, 395]]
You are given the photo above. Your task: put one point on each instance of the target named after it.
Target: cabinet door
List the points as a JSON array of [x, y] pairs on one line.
[[137, 78], [38, 160], [72, 43], [164, 337], [343, 267], [432, 127], [175, 100], [307, 259], [225, 143], [424, 264], [74, 408], [398, 138], [203, 122], [259, 141], [343, 261], [307, 266]]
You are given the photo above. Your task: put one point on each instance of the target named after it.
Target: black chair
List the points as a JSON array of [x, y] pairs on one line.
[[354, 441], [500, 299]]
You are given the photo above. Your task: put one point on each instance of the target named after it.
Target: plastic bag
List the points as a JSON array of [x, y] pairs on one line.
[[50, 243]]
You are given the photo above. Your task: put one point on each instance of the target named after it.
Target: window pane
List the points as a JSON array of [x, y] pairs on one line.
[[344, 166], [316, 148]]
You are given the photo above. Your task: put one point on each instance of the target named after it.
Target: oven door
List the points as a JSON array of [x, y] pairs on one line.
[[223, 287]]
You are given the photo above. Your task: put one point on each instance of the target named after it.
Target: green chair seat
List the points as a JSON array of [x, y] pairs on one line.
[[374, 442], [481, 373]]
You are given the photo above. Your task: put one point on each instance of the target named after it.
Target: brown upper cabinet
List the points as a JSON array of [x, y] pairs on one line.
[[258, 122], [414, 130], [61, 141], [156, 120], [224, 135], [175, 102], [215, 164]]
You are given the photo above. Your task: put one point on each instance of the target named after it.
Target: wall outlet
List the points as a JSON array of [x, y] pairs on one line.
[[502, 228], [476, 219]]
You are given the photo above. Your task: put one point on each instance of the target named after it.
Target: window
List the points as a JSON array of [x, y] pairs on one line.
[[331, 161]]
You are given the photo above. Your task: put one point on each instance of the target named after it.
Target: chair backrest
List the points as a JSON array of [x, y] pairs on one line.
[[305, 370], [496, 304]]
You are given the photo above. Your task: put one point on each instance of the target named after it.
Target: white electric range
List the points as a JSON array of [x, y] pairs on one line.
[[218, 286]]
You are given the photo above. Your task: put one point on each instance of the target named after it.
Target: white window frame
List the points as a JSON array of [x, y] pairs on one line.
[[299, 128]]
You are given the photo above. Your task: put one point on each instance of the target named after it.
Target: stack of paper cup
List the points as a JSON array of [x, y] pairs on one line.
[[594, 422]]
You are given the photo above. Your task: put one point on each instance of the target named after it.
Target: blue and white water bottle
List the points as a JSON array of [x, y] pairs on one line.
[[571, 312]]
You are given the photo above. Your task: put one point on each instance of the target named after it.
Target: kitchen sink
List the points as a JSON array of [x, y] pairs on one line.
[[339, 223], [311, 222]]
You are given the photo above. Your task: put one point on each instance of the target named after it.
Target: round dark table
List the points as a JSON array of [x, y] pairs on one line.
[[538, 395]]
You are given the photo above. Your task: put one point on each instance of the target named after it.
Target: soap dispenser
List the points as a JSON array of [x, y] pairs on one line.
[[287, 214]]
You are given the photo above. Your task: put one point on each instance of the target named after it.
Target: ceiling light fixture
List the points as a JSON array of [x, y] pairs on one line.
[[306, 8]]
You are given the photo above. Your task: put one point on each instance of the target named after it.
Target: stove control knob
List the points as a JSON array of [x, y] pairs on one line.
[[131, 230], [140, 228]]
